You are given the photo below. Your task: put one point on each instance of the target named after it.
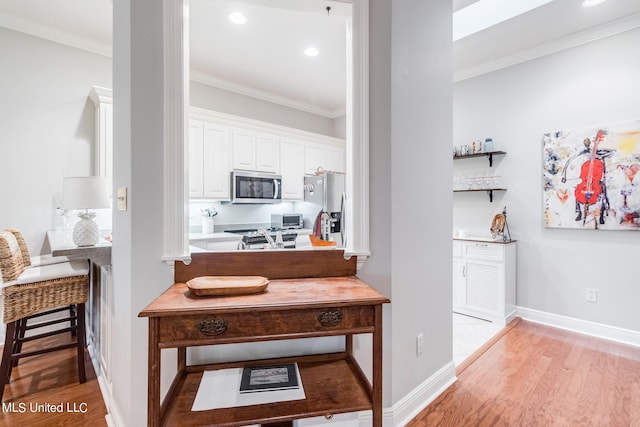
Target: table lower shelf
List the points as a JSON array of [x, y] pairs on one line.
[[332, 384]]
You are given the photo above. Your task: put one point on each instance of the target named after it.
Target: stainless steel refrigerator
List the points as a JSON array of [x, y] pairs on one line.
[[327, 195]]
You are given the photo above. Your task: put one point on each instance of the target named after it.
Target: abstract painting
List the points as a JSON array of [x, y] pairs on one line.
[[591, 178]]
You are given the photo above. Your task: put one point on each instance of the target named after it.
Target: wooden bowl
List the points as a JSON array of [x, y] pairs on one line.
[[227, 285]]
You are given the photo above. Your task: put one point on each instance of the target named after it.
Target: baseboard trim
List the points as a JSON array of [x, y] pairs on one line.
[[599, 330], [410, 405]]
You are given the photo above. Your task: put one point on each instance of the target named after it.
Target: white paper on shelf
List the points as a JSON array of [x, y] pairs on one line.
[[220, 389]]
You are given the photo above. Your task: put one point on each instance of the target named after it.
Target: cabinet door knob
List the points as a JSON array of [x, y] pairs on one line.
[[330, 317], [212, 327]]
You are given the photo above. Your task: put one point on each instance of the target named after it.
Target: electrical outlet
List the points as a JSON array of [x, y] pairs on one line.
[[592, 295], [419, 344]]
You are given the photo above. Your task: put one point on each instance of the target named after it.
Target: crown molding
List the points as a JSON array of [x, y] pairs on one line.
[[52, 34], [204, 78], [105, 49], [603, 31]]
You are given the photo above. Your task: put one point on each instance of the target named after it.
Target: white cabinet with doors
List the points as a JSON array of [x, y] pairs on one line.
[[267, 153], [328, 156], [255, 151], [292, 169], [221, 142], [209, 162], [484, 279], [103, 104]]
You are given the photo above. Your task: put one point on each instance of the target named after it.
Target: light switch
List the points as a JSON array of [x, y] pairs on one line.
[[122, 199]]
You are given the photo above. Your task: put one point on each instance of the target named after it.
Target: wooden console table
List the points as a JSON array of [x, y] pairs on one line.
[[290, 308]]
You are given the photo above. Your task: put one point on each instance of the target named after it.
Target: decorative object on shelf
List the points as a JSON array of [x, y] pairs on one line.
[[86, 192], [468, 155], [207, 220], [488, 145], [227, 285], [499, 225], [590, 178]]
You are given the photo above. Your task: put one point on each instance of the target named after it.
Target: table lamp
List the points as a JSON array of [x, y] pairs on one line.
[[86, 192]]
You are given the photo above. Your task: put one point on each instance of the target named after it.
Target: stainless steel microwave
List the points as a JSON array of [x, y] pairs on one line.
[[255, 187]]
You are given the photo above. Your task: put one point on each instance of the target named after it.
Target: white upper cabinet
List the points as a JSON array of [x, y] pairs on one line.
[[292, 169], [103, 103], [255, 151], [328, 156], [334, 157], [244, 149], [209, 165], [313, 157], [267, 153], [217, 143]]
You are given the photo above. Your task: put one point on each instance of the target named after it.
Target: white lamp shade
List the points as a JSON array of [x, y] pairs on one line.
[[85, 192]]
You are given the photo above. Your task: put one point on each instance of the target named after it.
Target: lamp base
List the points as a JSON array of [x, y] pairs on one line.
[[86, 232]]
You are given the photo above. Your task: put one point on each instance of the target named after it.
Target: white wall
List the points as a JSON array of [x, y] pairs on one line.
[[46, 128], [590, 85]]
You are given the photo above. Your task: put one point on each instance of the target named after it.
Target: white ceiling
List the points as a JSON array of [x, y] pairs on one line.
[[263, 58]]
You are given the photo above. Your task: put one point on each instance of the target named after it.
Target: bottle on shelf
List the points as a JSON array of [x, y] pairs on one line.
[[488, 145]]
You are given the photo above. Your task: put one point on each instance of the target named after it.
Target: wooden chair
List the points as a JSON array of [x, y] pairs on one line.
[[34, 292], [35, 261]]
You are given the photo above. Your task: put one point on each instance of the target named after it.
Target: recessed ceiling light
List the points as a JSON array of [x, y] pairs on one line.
[[591, 3], [237, 18], [311, 51]]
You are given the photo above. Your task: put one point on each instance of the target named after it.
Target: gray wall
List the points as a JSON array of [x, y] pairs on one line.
[[216, 99], [591, 85], [46, 128], [410, 116]]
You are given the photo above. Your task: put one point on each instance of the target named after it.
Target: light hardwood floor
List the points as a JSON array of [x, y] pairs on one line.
[[48, 382], [530, 375], [535, 375]]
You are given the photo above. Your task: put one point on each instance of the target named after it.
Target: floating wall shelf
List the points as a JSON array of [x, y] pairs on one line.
[[489, 154], [488, 190]]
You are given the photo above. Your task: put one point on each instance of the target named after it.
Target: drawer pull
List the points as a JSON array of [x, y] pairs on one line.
[[212, 327], [330, 317]]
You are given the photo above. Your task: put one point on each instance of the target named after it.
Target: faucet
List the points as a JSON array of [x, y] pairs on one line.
[[267, 236], [241, 246]]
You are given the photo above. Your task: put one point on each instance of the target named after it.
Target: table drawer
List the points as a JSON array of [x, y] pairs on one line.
[[484, 251], [231, 326]]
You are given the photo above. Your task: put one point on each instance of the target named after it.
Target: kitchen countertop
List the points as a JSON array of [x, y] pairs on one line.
[[232, 237], [217, 237]]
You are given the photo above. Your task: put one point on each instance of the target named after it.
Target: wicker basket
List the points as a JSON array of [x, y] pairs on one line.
[[24, 300]]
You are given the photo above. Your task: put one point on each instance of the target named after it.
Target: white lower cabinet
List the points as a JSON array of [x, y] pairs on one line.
[[484, 280]]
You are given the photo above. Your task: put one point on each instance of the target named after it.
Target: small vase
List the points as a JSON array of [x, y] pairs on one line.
[[207, 225]]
